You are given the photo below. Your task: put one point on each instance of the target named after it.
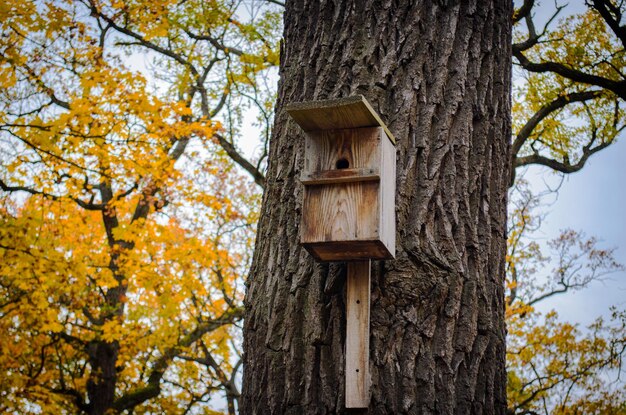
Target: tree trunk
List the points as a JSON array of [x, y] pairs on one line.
[[438, 73], [102, 381]]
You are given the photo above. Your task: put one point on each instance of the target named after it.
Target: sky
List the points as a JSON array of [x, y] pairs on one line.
[[592, 200]]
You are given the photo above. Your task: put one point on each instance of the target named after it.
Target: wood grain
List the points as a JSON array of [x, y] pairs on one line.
[[358, 334], [341, 176], [387, 201], [360, 148], [353, 208], [340, 212], [349, 112]]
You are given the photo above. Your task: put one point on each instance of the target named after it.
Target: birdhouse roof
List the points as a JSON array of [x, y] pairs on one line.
[[333, 114]]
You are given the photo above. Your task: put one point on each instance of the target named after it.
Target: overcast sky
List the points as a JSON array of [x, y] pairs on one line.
[[594, 201]]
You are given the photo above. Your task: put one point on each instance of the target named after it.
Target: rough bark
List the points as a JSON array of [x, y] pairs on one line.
[[438, 72]]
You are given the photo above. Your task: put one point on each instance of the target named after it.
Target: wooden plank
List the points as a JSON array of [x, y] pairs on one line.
[[348, 250], [387, 200], [349, 112], [334, 150], [340, 212], [341, 176], [358, 334]]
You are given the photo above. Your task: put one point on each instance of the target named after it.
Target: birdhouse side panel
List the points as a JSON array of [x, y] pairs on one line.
[[387, 200]]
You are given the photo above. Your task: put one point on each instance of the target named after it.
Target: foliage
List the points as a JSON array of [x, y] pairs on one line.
[[126, 224], [560, 370], [569, 100], [568, 105]]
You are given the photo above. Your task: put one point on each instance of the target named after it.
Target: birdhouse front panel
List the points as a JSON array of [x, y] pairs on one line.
[[342, 221], [345, 204]]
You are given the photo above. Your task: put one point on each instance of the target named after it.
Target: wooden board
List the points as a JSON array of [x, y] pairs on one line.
[[348, 250], [387, 202], [358, 334], [341, 176], [336, 150], [340, 212], [349, 112]]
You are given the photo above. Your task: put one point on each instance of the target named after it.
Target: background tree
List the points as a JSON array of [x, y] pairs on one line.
[[126, 225], [569, 106], [569, 100], [553, 366]]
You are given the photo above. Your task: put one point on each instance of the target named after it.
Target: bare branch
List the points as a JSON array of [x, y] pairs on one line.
[[563, 166], [7, 128], [579, 264], [219, 105], [533, 37], [523, 11], [216, 43], [230, 149]]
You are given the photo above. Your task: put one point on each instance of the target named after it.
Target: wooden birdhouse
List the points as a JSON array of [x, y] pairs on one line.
[[349, 179]]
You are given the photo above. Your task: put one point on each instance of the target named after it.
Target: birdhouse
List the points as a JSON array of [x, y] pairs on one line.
[[349, 179]]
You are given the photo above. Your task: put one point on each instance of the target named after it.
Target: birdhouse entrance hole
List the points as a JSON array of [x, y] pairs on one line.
[[342, 163]]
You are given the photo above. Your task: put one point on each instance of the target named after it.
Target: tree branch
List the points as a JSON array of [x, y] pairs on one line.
[[280, 3], [611, 15], [533, 37], [78, 397], [523, 11], [153, 388], [85, 205], [146, 43], [230, 149], [562, 166], [618, 87], [32, 75], [545, 111], [216, 44]]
